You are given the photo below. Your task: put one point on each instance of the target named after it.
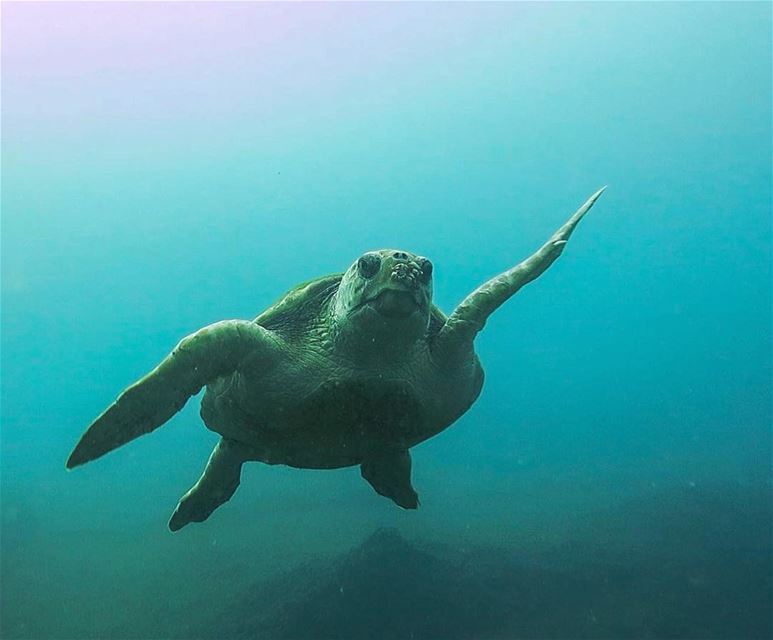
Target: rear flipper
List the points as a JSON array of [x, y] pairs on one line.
[[215, 487], [389, 473]]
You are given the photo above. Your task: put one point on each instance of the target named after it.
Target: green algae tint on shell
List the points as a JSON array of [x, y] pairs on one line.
[[351, 369]]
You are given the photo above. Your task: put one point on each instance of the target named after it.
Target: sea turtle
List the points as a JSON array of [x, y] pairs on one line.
[[348, 369]]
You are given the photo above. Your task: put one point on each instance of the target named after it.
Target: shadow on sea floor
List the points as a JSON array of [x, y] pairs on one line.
[[689, 563]]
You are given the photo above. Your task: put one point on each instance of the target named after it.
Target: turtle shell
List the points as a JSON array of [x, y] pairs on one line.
[[299, 308]]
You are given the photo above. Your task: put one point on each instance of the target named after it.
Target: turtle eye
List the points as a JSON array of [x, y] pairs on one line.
[[426, 270], [368, 265]]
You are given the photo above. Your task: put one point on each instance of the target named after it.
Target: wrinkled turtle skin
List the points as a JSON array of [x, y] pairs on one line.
[[349, 369]]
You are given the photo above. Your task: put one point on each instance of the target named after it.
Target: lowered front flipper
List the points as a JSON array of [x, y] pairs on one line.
[[389, 473], [200, 358], [216, 486]]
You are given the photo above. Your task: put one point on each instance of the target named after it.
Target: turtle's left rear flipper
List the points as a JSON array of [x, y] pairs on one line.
[[216, 486], [200, 358], [389, 473]]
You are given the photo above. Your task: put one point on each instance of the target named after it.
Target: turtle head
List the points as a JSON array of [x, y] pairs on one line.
[[385, 297]]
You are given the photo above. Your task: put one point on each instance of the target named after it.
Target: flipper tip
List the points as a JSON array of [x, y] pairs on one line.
[[598, 193], [175, 525], [77, 458]]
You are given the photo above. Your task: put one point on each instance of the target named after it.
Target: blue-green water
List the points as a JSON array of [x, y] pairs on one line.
[[165, 166]]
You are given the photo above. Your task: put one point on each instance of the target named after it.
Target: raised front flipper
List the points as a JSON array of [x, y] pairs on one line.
[[211, 352], [470, 316], [216, 486], [389, 473]]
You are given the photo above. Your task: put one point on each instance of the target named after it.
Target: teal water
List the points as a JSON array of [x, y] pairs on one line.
[[165, 166]]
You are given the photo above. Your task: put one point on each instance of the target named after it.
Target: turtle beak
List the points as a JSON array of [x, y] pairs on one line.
[[396, 303]]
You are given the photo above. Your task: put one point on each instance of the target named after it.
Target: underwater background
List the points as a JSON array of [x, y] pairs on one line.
[[168, 165]]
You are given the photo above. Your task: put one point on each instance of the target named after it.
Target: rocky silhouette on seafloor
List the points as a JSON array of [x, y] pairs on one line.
[[692, 563]]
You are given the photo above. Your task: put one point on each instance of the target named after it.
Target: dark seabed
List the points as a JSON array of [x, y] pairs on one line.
[[169, 165], [686, 563]]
